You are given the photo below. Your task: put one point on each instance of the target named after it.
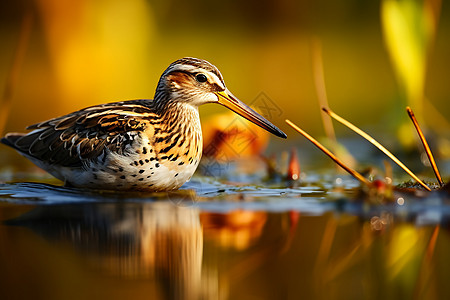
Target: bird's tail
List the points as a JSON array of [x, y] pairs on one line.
[[11, 138]]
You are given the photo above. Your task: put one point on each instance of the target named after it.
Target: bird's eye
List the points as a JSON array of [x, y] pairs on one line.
[[201, 78]]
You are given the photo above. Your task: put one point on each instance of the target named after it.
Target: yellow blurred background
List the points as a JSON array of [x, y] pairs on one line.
[[58, 56], [76, 53]]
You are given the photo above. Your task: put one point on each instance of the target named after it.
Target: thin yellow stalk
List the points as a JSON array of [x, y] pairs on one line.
[[376, 144], [330, 155], [319, 82], [425, 145]]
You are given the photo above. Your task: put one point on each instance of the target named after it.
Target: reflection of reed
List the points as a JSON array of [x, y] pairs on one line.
[[426, 283]]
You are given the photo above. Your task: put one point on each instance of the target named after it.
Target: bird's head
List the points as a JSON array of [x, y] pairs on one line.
[[195, 82]]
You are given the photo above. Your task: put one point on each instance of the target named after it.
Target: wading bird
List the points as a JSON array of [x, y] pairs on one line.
[[152, 145]]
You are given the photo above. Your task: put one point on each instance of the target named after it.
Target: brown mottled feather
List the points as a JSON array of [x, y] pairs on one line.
[[85, 134]]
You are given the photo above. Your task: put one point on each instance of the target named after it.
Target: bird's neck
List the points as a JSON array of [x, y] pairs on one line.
[[179, 131], [180, 114]]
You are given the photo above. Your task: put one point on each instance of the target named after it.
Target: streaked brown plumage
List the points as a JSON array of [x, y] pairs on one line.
[[139, 144]]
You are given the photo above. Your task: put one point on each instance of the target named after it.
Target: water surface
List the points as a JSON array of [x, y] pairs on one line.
[[215, 240]]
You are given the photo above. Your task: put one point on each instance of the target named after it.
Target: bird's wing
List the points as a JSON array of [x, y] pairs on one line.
[[85, 134]]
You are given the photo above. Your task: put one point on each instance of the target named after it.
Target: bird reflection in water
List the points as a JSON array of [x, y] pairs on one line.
[[160, 241], [157, 240]]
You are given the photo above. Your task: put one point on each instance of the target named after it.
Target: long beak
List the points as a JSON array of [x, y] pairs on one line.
[[227, 99]]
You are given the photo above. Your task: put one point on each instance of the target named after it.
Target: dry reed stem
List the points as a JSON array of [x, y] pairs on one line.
[[376, 144], [330, 155], [425, 145]]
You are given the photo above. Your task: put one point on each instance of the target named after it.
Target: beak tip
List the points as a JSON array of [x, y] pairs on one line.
[[281, 134], [277, 132]]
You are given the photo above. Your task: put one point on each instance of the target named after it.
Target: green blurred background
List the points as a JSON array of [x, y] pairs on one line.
[[77, 53]]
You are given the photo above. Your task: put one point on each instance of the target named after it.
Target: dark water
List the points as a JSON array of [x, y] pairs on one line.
[[221, 241]]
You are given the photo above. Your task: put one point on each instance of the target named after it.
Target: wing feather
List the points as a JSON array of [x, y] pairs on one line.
[[72, 139]]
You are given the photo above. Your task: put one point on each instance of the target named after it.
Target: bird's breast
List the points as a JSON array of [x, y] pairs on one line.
[[176, 146], [162, 157]]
